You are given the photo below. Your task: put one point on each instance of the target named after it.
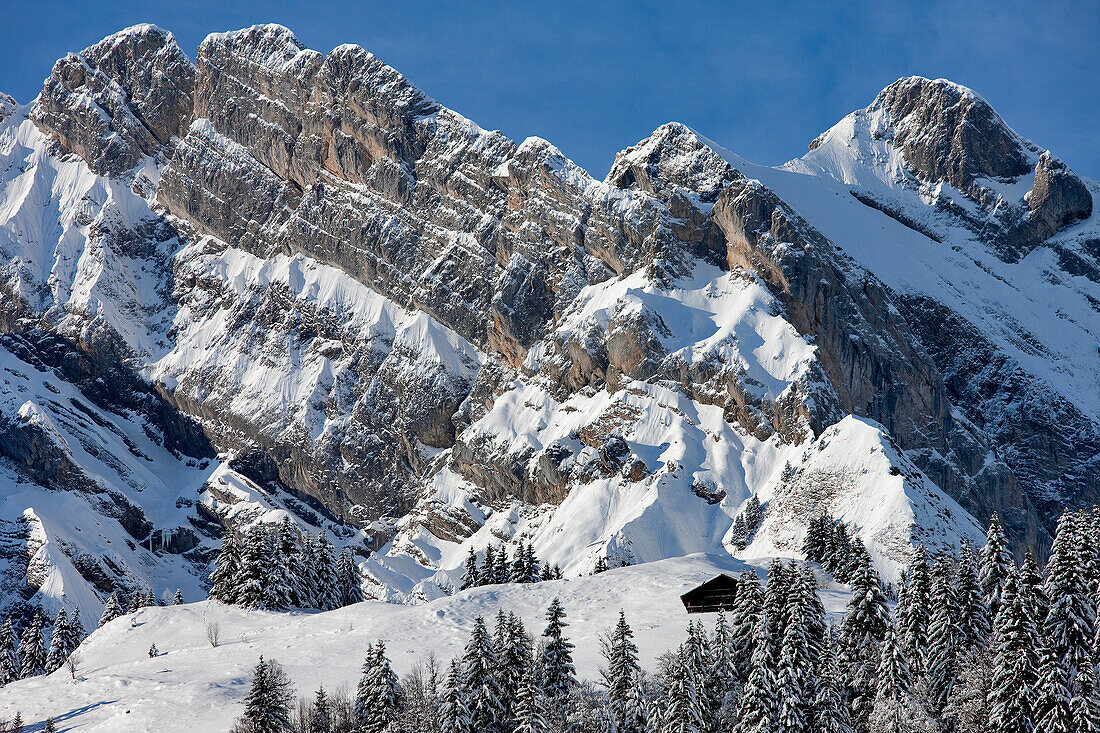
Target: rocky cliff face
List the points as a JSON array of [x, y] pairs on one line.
[[360, 298]]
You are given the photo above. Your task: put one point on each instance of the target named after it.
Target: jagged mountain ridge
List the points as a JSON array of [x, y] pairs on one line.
[[372, 301]]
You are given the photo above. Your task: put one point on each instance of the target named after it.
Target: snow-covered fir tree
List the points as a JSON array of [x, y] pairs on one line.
[[112, 610], [1012, 695], [177, 598], [746, 614], [326, 596], [293, 571], [513, 655], [723, 673], [530, 709], [943, 636], [996, 560], [320, 713], [554, 671], [683, 707], [798, 657], [63, 641], [32, 649], [757, 711], [830, 709], [861, 632], [1069, 627], [9, 654], [912, 610], [974, 618], [471, 576], [896, 709], [350, 583], [267, 706], [379, 697], [454, 714], [226, 578], [622, 676], [479, 688], [1052, 711]]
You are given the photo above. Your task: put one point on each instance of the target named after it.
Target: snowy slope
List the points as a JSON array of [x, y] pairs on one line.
[[193, 686], [1035, 311]]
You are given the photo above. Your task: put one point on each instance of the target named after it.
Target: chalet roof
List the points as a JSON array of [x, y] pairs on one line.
[[716, 594]]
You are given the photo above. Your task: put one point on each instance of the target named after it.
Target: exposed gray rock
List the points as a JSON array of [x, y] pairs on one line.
[[120, 100], [948, 134]]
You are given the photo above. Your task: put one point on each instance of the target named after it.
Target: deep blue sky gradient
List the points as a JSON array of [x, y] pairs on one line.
[[763, 78]]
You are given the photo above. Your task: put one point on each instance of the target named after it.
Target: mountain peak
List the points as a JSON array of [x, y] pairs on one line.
[[946, 142], [118, 100], [675, 155], [947, 132]]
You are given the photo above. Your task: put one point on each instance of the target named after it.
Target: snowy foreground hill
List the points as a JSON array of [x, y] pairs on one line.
[[267, 283], [195, 687]]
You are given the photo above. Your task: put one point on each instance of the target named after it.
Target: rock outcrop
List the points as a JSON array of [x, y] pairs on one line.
[[119, 101]]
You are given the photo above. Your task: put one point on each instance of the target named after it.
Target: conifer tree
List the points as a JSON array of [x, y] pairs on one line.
[[943, 637], [757, 711], [50, 726], [555, 673], [723, 672], [815, 545], [254, 574], [471, 576], [326, 593], [777, 595], [61, 642], [454, 715], [111, 610], [1069, 624], [1084, 706], [378, 698], [622, 676], [747, 612], [500, 569], [1052, 712], [487, 574], [278, 581], [177, 599], [32, 650], [530, 708], [17, 723], [513, 655], [683, 708], [862, 631], [797, 668], [974, 618], [1012, 694], [295, 569], [350, 588], [1032, 591], [996, 560], [480, 691], [9, 655], [896, 710], [226, 578], [267, 706], [320, 713], [830, 711]]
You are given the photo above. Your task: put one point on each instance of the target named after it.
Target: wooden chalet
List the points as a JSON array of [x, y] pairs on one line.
[[717, 594]]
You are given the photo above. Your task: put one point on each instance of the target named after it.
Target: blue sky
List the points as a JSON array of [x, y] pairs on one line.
[[762, 78]]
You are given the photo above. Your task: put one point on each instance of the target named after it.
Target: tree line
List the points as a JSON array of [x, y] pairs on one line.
[[975, 643], [275, 567]]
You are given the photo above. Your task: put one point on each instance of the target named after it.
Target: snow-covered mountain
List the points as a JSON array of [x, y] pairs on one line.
[[273, 282]]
